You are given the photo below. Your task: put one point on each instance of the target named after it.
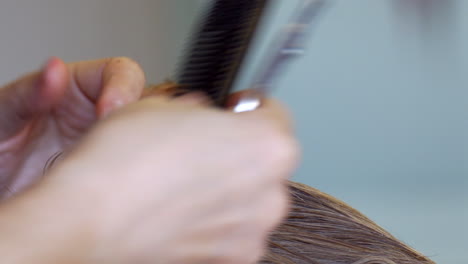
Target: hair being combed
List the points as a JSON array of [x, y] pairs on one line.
[[321, 229]]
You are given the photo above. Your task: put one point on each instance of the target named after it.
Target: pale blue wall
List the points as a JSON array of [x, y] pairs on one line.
[[382, 111]]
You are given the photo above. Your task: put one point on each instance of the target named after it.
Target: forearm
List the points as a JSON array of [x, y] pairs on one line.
[[39, 227]]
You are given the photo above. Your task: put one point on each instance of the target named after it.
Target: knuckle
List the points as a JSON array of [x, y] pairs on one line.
[[251, 251], [243, 248], [280, 148], [273, 210], [130, 64], [125, 60], [279, 204], [257, 252], [283, 205]]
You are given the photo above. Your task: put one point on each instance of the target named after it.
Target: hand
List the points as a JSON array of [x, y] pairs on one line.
[[46, 112], [173, 181]]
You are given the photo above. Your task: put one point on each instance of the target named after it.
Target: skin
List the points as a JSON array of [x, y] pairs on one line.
[[159, 180], [48, 111]]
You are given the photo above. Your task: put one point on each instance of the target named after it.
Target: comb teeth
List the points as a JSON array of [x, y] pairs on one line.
[[219, 46]]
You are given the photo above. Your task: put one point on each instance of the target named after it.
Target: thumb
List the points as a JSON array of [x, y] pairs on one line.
[[31, 96]]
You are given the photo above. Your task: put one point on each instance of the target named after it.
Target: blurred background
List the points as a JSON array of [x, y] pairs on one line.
[[380, 99]]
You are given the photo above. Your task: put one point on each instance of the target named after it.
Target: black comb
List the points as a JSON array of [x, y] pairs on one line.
[[218, 47]]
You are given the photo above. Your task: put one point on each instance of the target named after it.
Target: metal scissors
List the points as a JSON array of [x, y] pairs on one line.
[[291, 43]]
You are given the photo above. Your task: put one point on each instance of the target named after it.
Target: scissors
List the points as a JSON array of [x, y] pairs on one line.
[[290, 44]]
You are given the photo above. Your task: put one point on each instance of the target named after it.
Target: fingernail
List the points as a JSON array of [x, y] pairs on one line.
[[43, 75], [45, 85], [244, 101], [110, 107], [50, 63], [246, 104], [52, 76]]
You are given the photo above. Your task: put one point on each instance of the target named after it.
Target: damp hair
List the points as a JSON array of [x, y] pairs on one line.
[[321, 229]]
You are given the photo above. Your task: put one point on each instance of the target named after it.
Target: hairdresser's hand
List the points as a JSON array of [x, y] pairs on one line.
[[44, 112], [176, 182]]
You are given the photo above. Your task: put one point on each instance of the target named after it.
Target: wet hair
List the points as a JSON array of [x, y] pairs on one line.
[[321, 229]]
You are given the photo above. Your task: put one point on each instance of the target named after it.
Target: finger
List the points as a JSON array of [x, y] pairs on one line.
[[31, 96], [234, 99], [276, 111], [110, 83], [269, 109]]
